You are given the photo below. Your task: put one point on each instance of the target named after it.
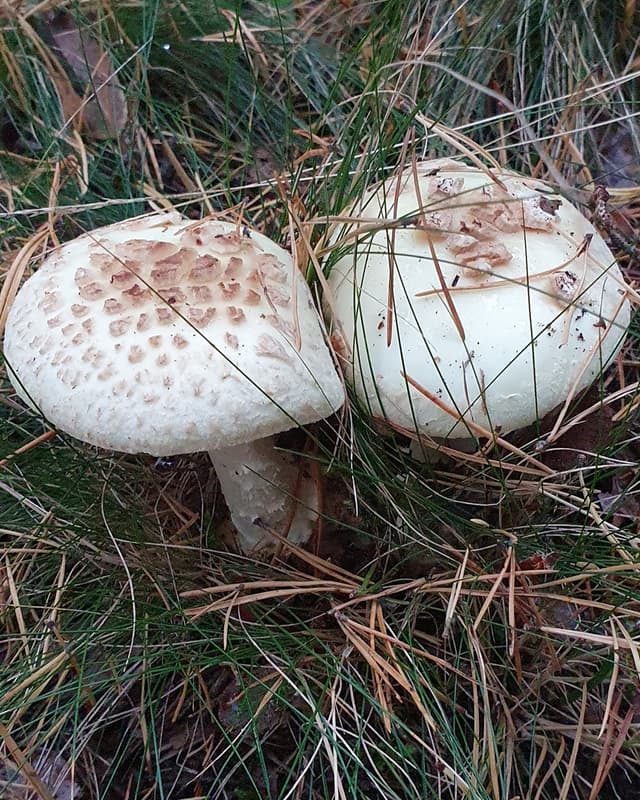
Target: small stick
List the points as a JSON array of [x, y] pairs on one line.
[[44, 437]]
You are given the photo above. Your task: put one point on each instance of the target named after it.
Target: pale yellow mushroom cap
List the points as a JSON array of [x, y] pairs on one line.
[[165, 336], [487, 295]]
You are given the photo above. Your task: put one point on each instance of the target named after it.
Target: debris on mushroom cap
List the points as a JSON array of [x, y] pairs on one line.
[[161, 335], [505, 299]]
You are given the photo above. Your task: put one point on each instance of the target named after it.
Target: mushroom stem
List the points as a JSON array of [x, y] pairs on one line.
[[260, 482]]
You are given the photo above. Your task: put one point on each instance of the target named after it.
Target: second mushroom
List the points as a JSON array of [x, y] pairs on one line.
[[469, 301]]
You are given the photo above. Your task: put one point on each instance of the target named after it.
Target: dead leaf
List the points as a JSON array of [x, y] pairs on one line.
[[102, 110]]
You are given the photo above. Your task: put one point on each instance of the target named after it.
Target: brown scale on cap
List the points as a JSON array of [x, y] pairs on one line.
[[229, 290], [136, 293], [162, 279], [200, 317], [207, 268], [278, 296], [164, 315], [179, 341], [92, 291], [103, 261], [268, 346], [138, 249], [231, 341], [143, 323], [199, 294], [173, 295], [271, 269], [112, 306], [564, 285], [82, 276], [236, 315], [470, 219], [122, 279], [93, 356], [281, 325], [126, 292], [233, 267], [136, 354], [50, 303], [166, 272], [478, 255], [120, 326], [447, 184]]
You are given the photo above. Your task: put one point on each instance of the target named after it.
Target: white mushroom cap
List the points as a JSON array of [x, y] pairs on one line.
[[164, 336], [534, 308]]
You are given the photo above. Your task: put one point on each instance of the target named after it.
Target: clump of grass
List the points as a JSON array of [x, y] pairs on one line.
[[467, 629]]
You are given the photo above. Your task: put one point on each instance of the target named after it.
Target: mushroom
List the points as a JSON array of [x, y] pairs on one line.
[[467, 301], [163, 336]]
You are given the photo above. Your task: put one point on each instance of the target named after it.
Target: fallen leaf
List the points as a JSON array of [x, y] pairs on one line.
[[102, 110]]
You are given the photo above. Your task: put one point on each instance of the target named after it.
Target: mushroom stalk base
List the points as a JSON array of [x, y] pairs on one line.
[[261, 483]]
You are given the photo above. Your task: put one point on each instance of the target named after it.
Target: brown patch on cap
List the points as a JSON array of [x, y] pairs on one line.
[[122, 278], [207, 268], [120, 326], [112, 306], [231, 341], [229, 290], [82, 276], [233, 267], [235, 314], [478, 254], [50, 302], [164, 315], [103, 261], [173, 295], [135, 294], [200, 294], [271, 269], [564, 285], [144, 322], [268, 346], [179, 341], [136, 354], [200, 317], [91, 291], [164, 273], [93, 356]]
